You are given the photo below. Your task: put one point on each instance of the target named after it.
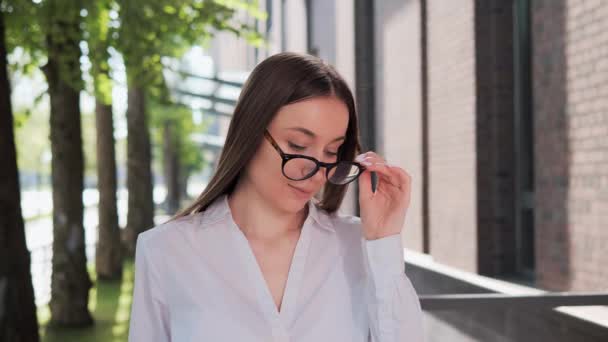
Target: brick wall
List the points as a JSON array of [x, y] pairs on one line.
[[470, 112], [570, 66], [345, 64], [470, 127], [452, 150], [398, 100]]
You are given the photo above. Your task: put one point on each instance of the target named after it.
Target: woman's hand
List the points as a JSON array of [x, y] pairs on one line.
[[382, 212]]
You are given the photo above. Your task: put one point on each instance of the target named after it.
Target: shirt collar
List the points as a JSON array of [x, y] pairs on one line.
[[320, 216], [219, 209]]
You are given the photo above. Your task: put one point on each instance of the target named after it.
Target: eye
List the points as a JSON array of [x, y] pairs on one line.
[[296, 147], [335, 154]]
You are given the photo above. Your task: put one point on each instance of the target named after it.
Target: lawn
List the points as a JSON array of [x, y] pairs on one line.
[[110, 304]]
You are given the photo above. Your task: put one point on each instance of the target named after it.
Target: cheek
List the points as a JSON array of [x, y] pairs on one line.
[[265, 172]]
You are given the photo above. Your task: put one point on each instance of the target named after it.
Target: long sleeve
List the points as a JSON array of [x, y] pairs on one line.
[[149, 315], [393, 306]]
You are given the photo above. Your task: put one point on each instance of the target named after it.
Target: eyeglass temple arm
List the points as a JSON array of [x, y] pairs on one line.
[[272, 142]]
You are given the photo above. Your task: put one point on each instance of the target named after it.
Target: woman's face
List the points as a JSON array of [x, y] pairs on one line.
[[314, 127]]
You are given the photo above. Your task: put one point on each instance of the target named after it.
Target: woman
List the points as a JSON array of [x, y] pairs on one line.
[[257, 257]]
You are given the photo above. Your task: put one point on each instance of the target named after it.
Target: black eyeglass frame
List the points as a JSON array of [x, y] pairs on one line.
[[328, 166]]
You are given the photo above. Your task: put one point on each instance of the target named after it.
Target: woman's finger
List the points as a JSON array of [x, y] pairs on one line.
[[404, 177], [370, 156], [390, 173], [406, 181], [383, 170]]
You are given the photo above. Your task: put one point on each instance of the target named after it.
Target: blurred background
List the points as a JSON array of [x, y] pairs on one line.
[[113, 114]]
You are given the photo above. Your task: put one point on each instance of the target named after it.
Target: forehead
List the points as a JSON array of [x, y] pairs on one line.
[[326, 116]]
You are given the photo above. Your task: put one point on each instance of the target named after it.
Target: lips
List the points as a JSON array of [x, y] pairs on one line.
[[303, 192]]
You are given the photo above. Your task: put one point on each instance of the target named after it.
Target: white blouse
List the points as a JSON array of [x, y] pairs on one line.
[[197, 279]]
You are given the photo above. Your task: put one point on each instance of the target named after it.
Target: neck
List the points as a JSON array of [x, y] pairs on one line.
[[259, 219]]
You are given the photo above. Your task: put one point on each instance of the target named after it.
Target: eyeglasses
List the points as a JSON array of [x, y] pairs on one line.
[[299, 167]]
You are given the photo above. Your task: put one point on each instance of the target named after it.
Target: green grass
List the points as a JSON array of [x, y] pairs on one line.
[[110, 305]]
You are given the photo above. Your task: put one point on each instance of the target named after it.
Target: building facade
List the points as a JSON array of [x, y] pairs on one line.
[[499, 111]]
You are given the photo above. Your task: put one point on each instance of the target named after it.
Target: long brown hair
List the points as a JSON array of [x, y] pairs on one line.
[[277, 81]]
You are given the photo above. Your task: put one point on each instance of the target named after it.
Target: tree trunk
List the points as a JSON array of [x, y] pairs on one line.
[[18, 321], [183, 183], [108, 254], [70, 282], [171, 167], [140, 216]]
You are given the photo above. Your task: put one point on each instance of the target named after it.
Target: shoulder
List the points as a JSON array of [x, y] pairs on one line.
[[168, 231], [171, 237]]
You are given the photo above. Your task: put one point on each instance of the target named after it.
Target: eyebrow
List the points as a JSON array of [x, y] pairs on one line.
[[311, 133]]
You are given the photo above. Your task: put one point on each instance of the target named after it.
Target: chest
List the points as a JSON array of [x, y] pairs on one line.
[[274, 262], [224, 290]]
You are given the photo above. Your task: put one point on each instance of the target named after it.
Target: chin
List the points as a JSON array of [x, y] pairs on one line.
[[290, 199]]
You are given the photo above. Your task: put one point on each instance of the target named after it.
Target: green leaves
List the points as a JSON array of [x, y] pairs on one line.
[[97, 26], [43, 28], [141, 30], [151, 29], [23, 31], [169, 9]]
